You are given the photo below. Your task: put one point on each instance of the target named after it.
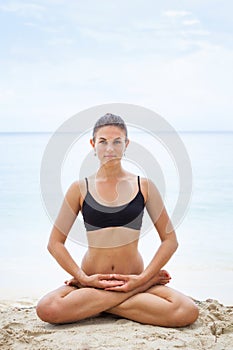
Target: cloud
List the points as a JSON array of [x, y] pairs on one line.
[[176, 13], [148, 38], [83, 54], [187, 90], [195, 32], [6, 95], [23, 9], [191, 22], [61, 42]]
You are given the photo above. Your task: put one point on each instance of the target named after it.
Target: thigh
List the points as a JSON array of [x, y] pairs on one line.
[[159, 305], [64, 304], [70, 304], [169, 294], [60, 292]]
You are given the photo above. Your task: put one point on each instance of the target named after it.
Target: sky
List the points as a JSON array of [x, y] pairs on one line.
[[60, 57]]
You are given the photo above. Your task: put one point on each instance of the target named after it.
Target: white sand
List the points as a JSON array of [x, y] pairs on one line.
[[21, 329]]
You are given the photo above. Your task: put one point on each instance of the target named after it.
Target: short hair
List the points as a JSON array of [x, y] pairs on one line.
[[110, 119]]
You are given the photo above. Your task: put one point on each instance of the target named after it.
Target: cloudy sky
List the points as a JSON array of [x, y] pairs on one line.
[[59, 57]]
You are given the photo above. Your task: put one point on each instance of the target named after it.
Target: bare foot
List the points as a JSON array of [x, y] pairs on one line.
[[162, 277], [73, 283]]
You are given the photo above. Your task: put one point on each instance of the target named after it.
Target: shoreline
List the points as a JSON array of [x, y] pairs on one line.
[[22, 329]]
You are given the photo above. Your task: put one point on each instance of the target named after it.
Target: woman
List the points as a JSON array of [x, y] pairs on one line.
[[112, 277]]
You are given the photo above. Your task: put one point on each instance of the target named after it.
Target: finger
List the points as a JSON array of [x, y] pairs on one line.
[[106, 287], [115, 289], [106, 276], [111, 283], [112, 276], [118, 276], [112, 279]]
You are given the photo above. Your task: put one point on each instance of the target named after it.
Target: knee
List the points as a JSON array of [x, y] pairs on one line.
[[48, 310], [186, 314], [193, 313]]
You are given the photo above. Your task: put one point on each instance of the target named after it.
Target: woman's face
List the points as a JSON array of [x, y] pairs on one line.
[[110, 143]]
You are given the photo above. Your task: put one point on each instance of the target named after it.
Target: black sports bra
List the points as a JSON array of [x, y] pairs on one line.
[[97, 216]]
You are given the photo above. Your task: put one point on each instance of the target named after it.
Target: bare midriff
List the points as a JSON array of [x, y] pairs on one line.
[[113, 250]]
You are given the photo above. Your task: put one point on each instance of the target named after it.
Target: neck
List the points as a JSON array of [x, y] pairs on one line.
[[111, 169]]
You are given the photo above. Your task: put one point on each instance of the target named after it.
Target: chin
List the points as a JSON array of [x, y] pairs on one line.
[[111, 160]]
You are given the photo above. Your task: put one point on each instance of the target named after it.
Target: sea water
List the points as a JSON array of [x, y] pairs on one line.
[[202, 267]]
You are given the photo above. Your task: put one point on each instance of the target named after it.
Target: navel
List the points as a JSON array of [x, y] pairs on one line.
[[113, 267]]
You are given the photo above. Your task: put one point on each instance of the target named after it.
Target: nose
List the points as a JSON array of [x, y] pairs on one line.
[[110, 147]]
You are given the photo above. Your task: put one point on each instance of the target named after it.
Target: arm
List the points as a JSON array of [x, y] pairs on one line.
[[169, 244], [161, 220], [56, 246], [66, 217]]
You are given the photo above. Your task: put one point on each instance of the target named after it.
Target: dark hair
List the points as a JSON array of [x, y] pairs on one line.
[[110, 119]]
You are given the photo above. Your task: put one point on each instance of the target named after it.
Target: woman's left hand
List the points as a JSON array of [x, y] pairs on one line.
[[131, 282]]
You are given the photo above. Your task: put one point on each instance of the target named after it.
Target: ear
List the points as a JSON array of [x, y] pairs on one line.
[[126, 143], [92, 143]]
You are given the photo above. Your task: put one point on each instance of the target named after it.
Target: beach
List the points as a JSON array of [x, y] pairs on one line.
[[201, 267], [21, 329], [166, 69]]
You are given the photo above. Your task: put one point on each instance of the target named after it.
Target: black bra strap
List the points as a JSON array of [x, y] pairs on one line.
[[139, 186], [86, 183]]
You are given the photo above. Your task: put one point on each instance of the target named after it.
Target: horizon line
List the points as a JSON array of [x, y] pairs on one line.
[[77, 131]]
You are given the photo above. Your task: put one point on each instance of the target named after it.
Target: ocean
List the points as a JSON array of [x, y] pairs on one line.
[[202, 267]]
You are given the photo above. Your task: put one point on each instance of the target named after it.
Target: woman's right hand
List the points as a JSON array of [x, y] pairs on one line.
[[100, 281]]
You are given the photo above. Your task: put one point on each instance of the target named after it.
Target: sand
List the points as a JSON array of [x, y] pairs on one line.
[[21, 329]]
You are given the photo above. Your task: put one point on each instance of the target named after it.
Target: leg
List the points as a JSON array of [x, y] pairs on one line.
[[69, 304], [160, 306]]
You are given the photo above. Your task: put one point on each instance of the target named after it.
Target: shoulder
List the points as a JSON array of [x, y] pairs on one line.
[[76, 191], [148, 188]]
